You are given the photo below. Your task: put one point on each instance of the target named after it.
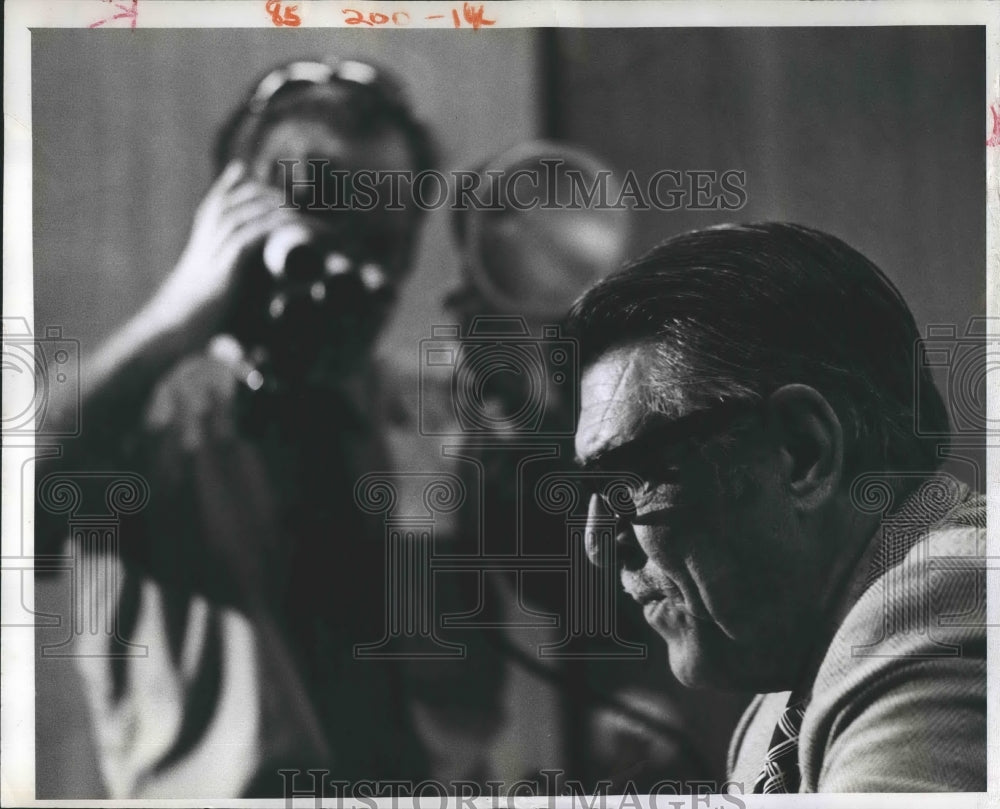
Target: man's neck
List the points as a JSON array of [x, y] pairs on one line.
[[854, 539]]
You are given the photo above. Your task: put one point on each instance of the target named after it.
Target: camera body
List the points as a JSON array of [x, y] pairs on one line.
[[961, 364], [309, 295], [31, 366], [502, 379]]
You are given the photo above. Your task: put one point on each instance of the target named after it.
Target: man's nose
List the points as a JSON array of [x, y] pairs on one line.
[[602, 533]]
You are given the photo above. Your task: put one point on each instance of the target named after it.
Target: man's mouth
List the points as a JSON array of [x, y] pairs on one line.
[[645, 595], [658, 602], [667, 614], [643, 599], [651, 608]]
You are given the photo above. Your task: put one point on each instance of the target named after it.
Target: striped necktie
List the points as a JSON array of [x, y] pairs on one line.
[[781, 766]]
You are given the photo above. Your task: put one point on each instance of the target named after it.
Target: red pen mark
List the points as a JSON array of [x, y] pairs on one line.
[[281, 16], [994, 138], [127, 12], [355, 17], [474, 16], [470, 15]]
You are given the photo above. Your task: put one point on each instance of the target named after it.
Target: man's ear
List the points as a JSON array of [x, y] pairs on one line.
[[810, 442]]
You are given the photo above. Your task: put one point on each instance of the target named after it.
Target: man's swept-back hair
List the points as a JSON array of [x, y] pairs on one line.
[[745, 309]]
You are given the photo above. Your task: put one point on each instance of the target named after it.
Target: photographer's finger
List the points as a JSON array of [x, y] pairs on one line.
[[161, 410], [227, 351], [251, 211], [213, 203], [249, 192], [230, 176], [251, 234]]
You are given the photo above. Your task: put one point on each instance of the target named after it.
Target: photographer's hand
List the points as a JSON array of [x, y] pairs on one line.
[[189, 309], [232, 220]]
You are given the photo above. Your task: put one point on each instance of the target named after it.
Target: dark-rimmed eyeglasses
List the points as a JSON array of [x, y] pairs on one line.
[[651, 456]]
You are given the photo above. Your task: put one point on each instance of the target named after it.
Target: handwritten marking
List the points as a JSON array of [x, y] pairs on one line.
[[994, 138], [375, 17], [289, 17], [474, 16], [126, 13], [470, 15]]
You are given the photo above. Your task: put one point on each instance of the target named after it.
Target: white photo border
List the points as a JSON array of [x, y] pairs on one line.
[[17, 686]]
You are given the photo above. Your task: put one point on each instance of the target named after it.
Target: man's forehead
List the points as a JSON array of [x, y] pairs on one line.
[[614, 399]]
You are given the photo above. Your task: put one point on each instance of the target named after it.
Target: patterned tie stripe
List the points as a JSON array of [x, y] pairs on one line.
[[781, 766]]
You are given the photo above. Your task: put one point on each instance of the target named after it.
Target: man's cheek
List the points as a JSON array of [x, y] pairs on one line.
[[654, 542]]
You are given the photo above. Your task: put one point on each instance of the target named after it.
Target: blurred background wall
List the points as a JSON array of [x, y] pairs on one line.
[[873, 134]]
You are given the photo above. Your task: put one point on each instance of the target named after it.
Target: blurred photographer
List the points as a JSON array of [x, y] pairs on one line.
[[245, 393]]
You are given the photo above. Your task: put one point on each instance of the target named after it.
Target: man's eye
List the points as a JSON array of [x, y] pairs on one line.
[[658, 473], [670, 475], [654, 494], [638, 494]]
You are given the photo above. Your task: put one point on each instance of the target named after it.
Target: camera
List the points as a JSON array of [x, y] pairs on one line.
[[310, 293], [501, 379], [960, 365], [30, 366]]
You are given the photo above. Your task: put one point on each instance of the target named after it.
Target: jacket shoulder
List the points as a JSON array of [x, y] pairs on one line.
[[905, 676]]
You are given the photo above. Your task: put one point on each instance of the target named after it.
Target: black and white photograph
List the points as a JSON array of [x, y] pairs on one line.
[[469, 403]]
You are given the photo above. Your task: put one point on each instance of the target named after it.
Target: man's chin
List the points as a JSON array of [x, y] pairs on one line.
[[693, 670], [689, 654], [686, 663], [679, 632]]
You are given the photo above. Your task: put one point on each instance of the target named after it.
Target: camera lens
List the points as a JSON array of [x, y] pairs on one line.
[[287, 247]]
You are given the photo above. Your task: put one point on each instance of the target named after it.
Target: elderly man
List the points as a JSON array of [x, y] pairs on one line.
[[752, 386]]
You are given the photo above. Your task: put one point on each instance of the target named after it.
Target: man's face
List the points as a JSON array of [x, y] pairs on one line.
[[379, 234], [711, 556]]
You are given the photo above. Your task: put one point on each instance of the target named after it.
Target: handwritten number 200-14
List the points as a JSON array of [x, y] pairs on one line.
[[355, 17]]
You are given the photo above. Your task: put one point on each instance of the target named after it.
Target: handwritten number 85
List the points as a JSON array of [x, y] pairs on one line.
[[375, 17]]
